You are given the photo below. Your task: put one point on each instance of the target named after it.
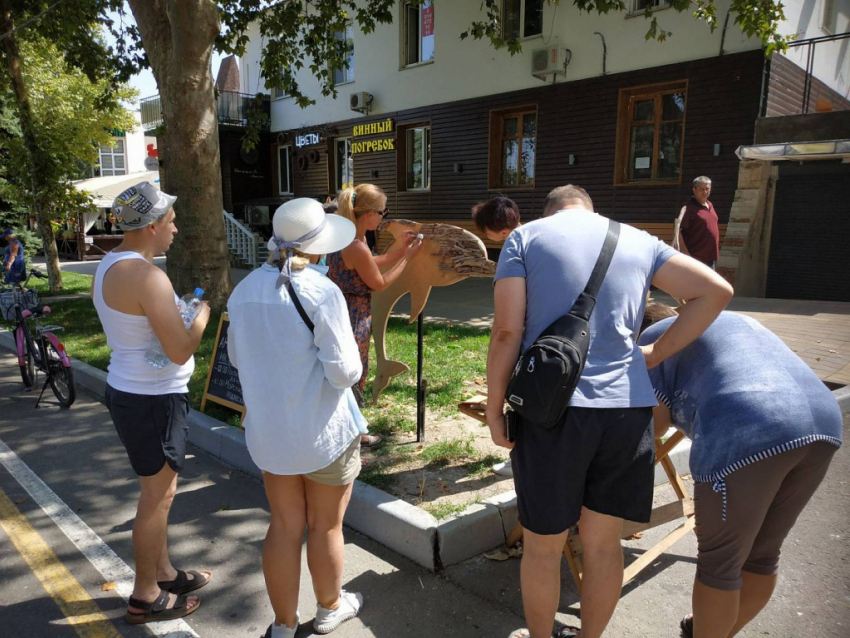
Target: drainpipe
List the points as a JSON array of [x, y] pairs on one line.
[[604, 52], [723, 35]]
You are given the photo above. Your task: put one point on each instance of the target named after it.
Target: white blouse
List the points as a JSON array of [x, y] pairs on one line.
[[294, 382]]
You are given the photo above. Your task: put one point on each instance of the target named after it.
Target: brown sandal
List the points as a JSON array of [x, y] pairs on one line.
[[182, 584], [158, 609]]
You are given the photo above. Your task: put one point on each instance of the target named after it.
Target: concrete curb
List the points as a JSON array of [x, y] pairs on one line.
[[402, 527]]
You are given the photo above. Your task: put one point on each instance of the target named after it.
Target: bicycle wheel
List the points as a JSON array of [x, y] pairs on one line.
[[61, 378], [28, 369]]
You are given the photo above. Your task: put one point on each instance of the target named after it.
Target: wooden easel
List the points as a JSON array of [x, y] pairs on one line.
[[683, 507]]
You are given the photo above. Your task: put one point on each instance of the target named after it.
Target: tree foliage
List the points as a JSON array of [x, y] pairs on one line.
[[71, 27], [756, 19], [71, 119]]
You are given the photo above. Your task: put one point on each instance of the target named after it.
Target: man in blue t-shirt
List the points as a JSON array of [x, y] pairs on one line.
[[595, 466]]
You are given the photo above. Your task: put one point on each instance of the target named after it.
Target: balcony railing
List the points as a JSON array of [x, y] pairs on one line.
[[233, 109], [802, 95]]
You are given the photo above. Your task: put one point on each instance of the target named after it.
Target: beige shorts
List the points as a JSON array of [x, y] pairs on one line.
[[343, 470]]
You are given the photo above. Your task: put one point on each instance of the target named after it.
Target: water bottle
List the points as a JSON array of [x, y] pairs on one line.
[[188, 305]]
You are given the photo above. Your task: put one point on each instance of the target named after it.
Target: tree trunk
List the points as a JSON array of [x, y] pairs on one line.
[[37, 161], [178, 37]]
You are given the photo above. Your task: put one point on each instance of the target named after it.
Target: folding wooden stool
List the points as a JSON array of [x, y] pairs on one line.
[[682, 507]]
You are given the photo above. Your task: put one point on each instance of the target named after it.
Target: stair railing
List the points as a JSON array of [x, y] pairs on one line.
[[241, 240]]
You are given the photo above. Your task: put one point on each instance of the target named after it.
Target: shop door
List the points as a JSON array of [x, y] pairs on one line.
[[810, 239]]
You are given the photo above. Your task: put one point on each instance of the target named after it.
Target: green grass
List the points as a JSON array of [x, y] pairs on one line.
[[444, 510], [446, 452], [453, 357], [481, 467], [72, 284]]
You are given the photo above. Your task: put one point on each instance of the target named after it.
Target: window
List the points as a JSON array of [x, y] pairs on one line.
[[112, 159], [417, 157], [522, 18], [513, 148], [830, 16], [284, 170], [650, 134], [343, 165], [278, 94], [640, 6], [417, 32], [345, 75]]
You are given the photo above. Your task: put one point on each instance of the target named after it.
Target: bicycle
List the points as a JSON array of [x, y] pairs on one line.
[[41, 351]]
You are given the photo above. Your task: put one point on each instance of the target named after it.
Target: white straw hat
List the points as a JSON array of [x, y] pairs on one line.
[[299, 217]]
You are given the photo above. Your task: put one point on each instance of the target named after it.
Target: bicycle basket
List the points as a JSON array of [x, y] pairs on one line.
[[8, 300]]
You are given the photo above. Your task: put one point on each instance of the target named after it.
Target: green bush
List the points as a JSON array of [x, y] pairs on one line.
[[31, 240]]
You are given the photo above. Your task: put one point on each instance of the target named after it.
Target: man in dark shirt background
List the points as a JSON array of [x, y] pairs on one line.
[[699, 236]]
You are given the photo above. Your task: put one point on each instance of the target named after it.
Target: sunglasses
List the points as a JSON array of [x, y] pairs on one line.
[[383, 213]]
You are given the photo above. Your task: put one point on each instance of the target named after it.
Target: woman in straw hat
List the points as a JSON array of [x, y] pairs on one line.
[[291, 340]]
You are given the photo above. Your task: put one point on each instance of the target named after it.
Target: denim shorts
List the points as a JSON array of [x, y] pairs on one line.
[[153, 428]]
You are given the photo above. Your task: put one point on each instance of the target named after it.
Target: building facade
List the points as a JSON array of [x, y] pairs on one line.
[[441, 123]]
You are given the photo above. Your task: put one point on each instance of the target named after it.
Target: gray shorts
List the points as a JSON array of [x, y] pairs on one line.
[[763, 502]]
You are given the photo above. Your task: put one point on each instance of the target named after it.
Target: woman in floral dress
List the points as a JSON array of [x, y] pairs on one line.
[[359, 273]]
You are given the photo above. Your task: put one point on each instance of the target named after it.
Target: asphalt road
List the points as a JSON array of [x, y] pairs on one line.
[[219, 520]]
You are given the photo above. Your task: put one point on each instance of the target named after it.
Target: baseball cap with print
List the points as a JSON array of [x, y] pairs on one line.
[[140, 206]]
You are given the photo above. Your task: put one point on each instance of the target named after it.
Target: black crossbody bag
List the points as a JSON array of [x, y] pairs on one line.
[[548, 372]]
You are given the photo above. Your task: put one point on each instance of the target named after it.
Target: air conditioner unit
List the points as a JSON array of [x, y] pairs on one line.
[[360, 101], [259, 215], [549, 61]]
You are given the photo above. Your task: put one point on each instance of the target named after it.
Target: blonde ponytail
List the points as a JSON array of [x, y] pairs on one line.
[[345, 206], [356, 202]]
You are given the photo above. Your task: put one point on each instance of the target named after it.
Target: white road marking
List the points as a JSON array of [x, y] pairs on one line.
[[99, 554]]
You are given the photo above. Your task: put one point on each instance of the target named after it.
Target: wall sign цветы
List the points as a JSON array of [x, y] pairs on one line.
[[307, 139]]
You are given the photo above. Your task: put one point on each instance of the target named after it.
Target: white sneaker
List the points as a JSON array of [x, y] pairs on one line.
[[504, 468], [283, 631], [329, 619]]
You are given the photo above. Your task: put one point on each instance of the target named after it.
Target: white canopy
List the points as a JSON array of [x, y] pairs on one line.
[[829, 149], [106, 189]]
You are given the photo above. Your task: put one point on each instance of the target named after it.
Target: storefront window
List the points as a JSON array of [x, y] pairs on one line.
[[651, 134], [112, 160], [418, 160], [284, 169], [417, 32], [344, 164], [514, 151]]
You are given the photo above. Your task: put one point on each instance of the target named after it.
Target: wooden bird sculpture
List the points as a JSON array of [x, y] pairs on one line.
[[449, 254]]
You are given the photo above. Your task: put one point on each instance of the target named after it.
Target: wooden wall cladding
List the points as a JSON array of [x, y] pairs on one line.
[[785, 90], [578, 118]]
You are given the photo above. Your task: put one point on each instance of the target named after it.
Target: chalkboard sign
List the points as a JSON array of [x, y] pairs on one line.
[[223, 385]]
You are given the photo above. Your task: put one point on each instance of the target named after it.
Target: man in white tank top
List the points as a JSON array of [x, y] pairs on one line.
[[149, 405]]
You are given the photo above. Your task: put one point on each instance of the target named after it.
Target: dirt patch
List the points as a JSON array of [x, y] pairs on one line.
[[450, 470]]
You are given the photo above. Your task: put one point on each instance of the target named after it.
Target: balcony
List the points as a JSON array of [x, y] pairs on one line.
[[233, 109]]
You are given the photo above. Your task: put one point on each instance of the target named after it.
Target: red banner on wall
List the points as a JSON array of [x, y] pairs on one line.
[[427, 20]]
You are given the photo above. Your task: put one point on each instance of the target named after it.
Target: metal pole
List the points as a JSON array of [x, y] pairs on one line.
[[421, 384]]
